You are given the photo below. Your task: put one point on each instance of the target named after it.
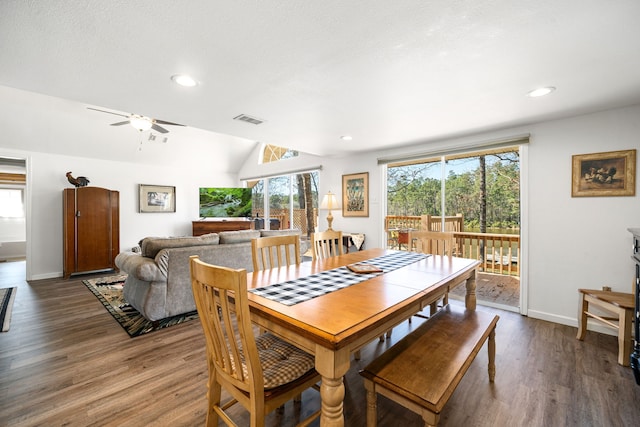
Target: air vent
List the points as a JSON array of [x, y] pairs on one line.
[[249, 119]]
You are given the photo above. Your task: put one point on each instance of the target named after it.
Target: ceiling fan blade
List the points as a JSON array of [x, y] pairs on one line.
[[109, 112], [159, 128], [162, 122], [126, 122]]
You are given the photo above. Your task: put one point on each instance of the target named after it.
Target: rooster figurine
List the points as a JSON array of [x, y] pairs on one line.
[[80, 181]]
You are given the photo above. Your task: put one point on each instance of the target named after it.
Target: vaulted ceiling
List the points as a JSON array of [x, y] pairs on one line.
[[384, 72]]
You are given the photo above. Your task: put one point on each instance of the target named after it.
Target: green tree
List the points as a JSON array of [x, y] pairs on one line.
[[493, 176]]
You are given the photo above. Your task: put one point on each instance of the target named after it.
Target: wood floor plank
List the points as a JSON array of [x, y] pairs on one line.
[[66, 361]]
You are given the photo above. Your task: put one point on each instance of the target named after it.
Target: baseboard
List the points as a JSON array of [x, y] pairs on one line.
[[46, 276], [592, 325]]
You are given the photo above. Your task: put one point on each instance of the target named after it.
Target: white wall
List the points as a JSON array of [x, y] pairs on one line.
[[577, 242], [573, 242]]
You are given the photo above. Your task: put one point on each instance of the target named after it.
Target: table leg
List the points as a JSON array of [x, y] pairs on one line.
[[470, 297], [332, 366]]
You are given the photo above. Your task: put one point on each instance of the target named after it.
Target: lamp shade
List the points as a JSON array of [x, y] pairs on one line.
[[329, 201]]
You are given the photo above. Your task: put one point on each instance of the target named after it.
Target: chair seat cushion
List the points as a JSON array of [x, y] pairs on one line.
[[281, 362]]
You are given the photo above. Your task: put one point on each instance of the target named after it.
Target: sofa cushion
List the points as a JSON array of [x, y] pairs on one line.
[[288, 232], [239, 236], [152, 245]]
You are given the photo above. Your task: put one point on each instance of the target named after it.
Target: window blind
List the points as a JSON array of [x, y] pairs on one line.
[[455, 149]]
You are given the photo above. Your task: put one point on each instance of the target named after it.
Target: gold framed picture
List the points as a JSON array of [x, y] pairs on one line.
[[157, 198], [355, 194], [611, 173]]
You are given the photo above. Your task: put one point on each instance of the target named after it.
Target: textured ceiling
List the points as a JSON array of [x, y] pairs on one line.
[[385, 72]]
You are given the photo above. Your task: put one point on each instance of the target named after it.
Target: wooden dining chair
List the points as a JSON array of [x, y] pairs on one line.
[[275, 251], [434, 243], [326, 244], [261, 373]]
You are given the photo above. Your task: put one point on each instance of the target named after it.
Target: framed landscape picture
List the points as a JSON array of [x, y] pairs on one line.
[[610, 173], [355, 194], [157, 198]]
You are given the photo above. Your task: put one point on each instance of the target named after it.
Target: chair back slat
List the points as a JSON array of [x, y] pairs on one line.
[[432, 242], [326, 244], [275, 251]]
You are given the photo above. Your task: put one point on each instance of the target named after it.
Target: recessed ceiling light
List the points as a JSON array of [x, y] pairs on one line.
[[541, 91], [184, 80], [346, 137]]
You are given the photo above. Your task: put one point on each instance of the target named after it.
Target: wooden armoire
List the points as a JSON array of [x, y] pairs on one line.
[[91, 218]]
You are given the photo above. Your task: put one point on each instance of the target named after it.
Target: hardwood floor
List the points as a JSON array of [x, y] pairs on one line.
[[66, 361]]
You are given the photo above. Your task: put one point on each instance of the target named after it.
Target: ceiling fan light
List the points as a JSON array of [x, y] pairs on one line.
[[141, 123], [184, 80]]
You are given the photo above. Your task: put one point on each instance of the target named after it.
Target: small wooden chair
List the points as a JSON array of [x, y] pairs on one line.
[[326, 244], [621, 304], [260, 373], [275, 251]]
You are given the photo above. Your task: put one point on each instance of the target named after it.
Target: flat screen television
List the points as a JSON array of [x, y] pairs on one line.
[[225, 202]]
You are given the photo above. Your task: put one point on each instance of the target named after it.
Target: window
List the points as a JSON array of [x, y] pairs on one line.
[[273, 153], [290, 201], [11, 204], [482, 186]]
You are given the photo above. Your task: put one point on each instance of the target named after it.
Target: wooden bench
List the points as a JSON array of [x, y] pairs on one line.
[[423, 369]]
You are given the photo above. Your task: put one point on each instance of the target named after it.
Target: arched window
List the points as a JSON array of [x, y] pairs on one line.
[[273, 153]]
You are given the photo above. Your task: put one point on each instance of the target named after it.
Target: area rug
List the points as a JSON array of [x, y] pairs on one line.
[[109, 291], [7, 296]]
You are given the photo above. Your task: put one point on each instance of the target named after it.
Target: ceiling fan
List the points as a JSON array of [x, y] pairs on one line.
[[139, 122]]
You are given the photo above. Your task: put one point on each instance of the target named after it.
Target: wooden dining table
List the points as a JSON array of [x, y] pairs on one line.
[[333, 325]]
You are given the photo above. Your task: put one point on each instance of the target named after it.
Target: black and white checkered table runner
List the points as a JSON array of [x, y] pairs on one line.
[[305, 288]]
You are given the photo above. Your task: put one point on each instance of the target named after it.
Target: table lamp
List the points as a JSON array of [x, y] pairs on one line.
[[329, 201]]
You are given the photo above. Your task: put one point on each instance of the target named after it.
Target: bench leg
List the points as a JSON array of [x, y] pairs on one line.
[[582, 317], [491, 346], [372, 410]]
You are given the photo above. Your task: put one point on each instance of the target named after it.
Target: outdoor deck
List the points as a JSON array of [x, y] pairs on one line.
[[498, 253]]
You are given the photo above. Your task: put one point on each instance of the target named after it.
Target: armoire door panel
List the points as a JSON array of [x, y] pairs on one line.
[[91, 223]]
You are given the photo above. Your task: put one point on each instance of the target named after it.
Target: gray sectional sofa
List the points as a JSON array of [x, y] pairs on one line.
[[158, 281]]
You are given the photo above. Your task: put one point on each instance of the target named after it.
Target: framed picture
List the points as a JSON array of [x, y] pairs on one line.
[[355, 194], [610, 173], [157, 198]]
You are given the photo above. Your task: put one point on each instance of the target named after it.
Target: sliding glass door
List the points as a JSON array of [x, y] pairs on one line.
[[476, 196]]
